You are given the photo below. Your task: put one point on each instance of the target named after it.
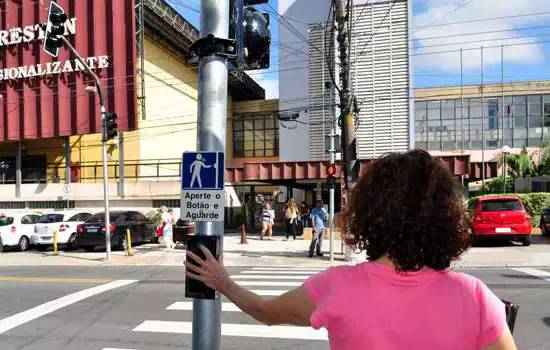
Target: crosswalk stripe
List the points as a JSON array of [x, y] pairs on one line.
[[267, 277], [269, 283], [290, 268], [545, 275], [237, 330], [268, 292], [188, 306], [279, 272]]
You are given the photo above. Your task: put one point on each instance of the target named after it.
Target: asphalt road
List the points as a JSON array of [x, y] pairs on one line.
[[143, 308]]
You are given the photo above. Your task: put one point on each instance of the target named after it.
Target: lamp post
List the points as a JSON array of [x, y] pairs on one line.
[[505, 151]]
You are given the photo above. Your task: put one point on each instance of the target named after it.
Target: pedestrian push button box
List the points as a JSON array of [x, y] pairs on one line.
[[193, 288]]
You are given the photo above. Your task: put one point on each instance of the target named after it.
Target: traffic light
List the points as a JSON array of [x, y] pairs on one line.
[[55, 29], [251, 31], [111, 126], [331, 175]]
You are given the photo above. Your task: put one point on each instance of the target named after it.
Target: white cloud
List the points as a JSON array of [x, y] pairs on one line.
[[269, 82], [479, 9]]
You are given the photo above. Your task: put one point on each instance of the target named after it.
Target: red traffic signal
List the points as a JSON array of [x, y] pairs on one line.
[[331, 170]]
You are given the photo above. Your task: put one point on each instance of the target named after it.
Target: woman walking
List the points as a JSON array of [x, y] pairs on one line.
[[167, 232], [268, 219], [404, 212], [291, 216]]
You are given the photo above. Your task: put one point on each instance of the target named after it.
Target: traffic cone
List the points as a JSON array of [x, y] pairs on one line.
[[243, 235]]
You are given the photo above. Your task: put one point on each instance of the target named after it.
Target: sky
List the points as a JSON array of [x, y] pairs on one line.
[[515, 25]]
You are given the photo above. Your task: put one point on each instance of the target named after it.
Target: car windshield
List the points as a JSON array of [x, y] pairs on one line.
[[51, 218], [6, 221], [501, 205], [99, 218]]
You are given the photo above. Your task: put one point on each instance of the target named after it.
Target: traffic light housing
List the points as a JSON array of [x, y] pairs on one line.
[[331, 175], [55, 29], [111, 126], [252, 33]]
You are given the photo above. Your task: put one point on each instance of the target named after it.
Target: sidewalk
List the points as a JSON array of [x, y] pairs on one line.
[[277, 252]]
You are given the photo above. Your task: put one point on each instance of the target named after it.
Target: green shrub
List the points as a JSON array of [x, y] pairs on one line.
[[534, 203]]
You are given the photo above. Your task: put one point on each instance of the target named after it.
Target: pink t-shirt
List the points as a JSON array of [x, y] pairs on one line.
[[371, 306]]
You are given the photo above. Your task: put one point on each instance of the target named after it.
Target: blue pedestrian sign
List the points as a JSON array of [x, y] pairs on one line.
[[203, 171]]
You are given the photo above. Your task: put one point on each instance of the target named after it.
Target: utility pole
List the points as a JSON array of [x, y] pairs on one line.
[[347, 121], [212, 124]]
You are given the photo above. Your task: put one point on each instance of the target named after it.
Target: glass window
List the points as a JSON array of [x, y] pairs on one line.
[[535, 121], [448, 109], [27, 220], [255, 135], [420, 110], [51, 218], [475, 107], [434, 110], [545, 98], [547, 113], [501, 205], [520, 122], [519, 100], [5, 221], [519, 110], [534, 99]]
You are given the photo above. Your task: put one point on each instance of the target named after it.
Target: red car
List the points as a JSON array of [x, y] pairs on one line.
[[501, 217]]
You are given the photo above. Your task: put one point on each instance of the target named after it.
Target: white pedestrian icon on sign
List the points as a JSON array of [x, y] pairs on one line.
[[196, 168]]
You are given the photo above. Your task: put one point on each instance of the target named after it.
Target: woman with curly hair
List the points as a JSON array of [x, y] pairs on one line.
[[405, 213]]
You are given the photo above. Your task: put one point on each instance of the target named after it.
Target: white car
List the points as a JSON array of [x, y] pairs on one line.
[[17, 229], [64, 223]]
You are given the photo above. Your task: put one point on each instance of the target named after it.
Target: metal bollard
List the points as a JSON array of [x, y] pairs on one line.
[[55, 243], [129, 242]]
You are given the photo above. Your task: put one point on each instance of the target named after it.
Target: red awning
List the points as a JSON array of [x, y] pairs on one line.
[[316, 170]]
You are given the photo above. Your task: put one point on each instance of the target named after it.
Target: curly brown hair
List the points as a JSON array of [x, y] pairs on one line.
[[406, 206]]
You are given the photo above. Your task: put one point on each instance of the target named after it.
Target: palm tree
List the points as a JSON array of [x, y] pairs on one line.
[[521, 164]]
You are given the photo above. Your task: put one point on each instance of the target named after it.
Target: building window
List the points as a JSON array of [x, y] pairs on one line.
[[546, 102], [492, 113], [255, 135], [434, 110]]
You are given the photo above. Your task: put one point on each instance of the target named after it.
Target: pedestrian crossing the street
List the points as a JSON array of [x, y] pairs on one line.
[[269, 282]]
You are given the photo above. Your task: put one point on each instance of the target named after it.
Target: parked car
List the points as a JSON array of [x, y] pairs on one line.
[[545, 222], [64, 223], [16, 230], [501, 217], [91, 234]]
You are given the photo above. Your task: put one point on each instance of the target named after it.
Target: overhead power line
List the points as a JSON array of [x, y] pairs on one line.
[[446, 14]]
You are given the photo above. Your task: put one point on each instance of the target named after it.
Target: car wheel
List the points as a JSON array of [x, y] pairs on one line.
[[526, 242], [23, 244], [1, 246], [89, 249], [71, 243]]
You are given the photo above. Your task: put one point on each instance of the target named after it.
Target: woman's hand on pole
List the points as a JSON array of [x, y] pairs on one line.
[[209, 271]]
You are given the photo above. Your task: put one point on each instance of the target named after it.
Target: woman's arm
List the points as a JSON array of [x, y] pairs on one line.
[[504, 342], [294, 307]]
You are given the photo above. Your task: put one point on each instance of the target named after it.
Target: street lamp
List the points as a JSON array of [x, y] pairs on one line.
[[505, 151]]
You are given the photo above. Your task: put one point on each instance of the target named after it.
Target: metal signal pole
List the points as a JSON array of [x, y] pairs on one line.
[[212, 124], [103, 146], [347, 121]]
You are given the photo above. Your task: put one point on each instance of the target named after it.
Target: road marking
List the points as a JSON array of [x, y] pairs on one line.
[[16, 320], [53, 280], [238, 330], [271, 284], [116, 349], [268, 277], [280, 272], [269, 292], [290, 268], [545, 275], [188, 306]]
